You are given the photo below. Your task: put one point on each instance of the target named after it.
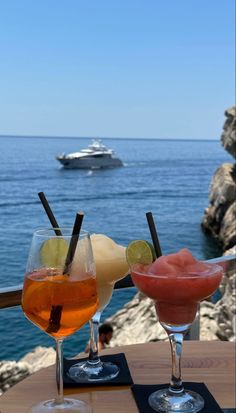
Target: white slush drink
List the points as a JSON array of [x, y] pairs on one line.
[[111, 266]]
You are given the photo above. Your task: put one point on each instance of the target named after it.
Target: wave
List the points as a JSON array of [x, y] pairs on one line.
[[111, 195], [24, 178], [17, 203]]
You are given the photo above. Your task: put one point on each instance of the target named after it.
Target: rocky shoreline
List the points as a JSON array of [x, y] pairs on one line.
[[136, 322], [11, 372]]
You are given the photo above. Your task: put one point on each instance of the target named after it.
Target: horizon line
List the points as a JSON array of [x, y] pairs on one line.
[[104, 137]]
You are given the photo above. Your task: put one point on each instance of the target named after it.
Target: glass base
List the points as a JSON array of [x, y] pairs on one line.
[[185, 402], [87, 371], [68, 406]]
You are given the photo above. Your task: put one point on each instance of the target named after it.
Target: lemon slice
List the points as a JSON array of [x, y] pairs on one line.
[[139, 251], [53, 252]]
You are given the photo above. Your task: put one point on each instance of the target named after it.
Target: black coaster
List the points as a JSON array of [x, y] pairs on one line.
[[142, 392], [123, 378], [230, 410]]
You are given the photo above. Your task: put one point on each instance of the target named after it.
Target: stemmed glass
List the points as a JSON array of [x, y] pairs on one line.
[[59, 299], [176, 299], [111, 266]]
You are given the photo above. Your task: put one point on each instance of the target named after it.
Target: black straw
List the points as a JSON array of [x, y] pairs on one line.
[[154, 236], [49, 213], [54, 323], [73, 241], [56, 310]]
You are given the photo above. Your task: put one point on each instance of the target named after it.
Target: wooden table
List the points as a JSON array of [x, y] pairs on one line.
[[210, 362]]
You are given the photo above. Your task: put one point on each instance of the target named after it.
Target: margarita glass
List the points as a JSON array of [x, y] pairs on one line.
[[58, 301], [176, 283], [111, 266]]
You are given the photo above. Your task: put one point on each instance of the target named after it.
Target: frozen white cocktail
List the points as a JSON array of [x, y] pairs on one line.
[[111, 266]]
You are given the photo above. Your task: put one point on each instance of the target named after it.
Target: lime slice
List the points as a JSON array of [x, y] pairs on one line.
[[53, 252], [139, 251]]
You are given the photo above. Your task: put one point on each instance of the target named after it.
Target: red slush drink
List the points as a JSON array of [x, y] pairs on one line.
[[177, 283]]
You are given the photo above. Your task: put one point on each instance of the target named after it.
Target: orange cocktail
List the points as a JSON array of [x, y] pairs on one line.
[[58, 300], [75, 301]]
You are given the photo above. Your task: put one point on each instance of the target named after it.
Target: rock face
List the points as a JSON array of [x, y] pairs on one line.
[[11, 372], [219, 321], [228, 138], [219, 218], [136, 323]]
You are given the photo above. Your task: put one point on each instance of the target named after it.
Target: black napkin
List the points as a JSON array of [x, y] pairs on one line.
[[123, 378], [142, 392]]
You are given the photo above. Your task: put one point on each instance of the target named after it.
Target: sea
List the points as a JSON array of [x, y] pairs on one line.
[[170, 178]]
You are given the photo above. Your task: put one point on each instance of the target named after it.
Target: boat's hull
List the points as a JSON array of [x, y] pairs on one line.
[[89, 163]]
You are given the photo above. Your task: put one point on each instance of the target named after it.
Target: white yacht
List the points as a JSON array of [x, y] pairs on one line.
[[95, 156]]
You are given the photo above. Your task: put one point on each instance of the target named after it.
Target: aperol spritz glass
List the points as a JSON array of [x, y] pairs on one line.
[[59, 299]]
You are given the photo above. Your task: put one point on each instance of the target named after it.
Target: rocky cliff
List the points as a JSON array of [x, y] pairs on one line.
[[219, 217], [228, 139]]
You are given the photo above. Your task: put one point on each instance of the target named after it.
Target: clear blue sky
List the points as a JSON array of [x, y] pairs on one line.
[[116, 68]]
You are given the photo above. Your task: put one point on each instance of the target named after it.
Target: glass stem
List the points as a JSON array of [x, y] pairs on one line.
[[176, 342], [93, 346], [59, 371]]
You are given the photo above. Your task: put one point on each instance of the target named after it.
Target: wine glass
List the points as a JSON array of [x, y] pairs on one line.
[[111, 266], [176, 300], [59, 298]]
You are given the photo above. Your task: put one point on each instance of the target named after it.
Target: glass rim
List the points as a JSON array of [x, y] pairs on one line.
[[211, 271], [65, 230]]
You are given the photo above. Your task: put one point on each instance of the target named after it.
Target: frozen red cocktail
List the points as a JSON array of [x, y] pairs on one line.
[[177, 283]]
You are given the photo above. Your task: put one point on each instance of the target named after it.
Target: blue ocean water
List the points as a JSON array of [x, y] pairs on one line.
[[171, 178]]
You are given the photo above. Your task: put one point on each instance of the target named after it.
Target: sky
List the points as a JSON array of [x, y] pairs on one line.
[[116, 68]]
